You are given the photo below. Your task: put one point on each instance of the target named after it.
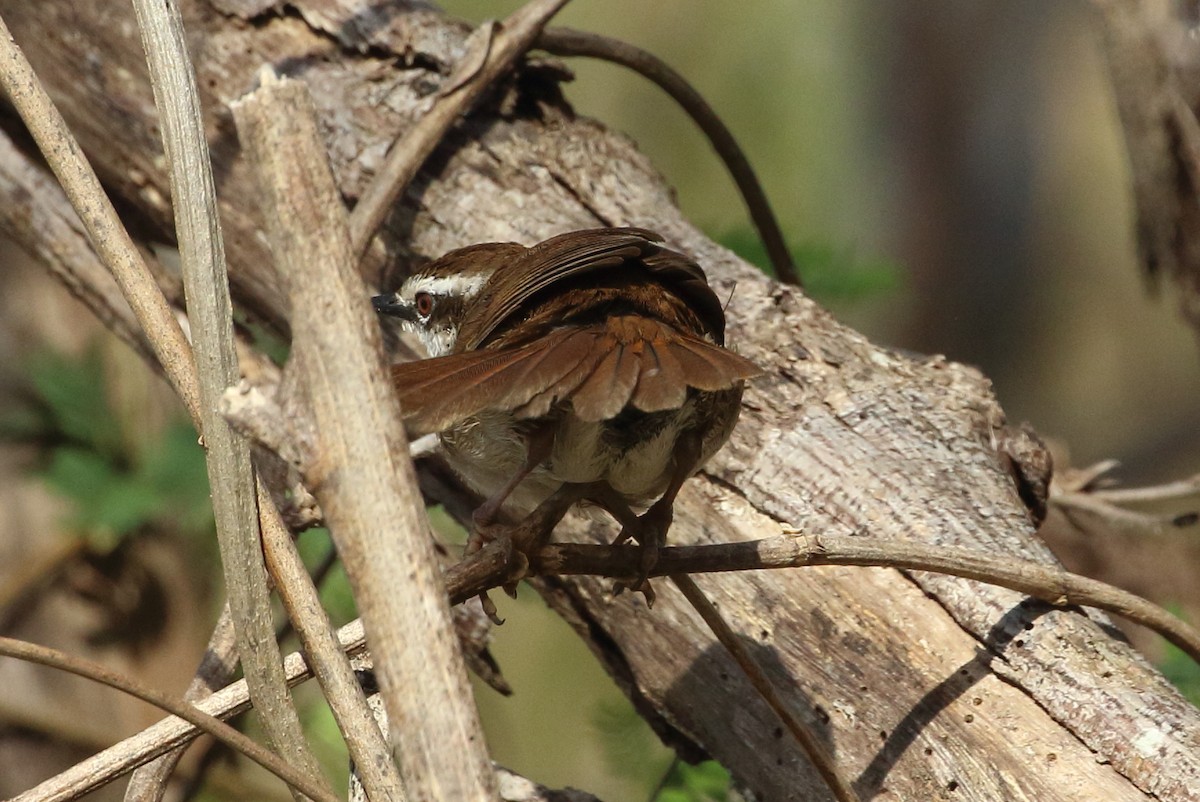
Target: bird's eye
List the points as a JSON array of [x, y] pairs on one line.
[[424, 303]]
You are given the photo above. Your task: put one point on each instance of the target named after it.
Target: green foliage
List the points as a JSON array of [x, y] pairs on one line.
[[115, 488], [832, 274], [704, 782]]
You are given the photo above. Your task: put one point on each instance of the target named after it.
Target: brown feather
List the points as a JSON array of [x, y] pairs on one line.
[[710, 367], [545, 264], [660, 382]]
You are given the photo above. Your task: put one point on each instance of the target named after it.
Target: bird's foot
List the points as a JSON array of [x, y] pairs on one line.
[[650, 531]]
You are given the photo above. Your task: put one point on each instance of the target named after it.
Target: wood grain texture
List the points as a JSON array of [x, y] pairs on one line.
[[840, 436]]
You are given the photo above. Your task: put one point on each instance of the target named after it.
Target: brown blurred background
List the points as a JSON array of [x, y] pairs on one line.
[[968, 151]]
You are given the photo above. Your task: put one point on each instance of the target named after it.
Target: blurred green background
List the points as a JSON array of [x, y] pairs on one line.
[[950, 175]]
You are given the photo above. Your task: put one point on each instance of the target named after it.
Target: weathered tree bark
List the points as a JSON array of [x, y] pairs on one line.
[[923, 686]]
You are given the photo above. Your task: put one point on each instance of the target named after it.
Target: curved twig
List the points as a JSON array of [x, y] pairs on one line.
[[270, 761], [488, 568], [496, 49], [570, 42], [816, 752]]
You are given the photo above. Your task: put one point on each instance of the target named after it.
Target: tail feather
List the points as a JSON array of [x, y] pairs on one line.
[[600, 369]]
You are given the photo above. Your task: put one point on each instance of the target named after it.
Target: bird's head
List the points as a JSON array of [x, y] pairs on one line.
[[432, 302]]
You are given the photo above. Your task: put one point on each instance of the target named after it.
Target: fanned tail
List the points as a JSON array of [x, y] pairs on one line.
[[599, 369]]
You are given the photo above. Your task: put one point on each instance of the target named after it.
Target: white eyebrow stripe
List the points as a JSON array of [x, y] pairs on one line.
[[464, 286]]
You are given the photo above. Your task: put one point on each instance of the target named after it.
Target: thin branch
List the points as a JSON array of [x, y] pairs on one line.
[[120, 758], [53, 658], [1170, 491], [1050, 583], [100, 219], [495, 51], [815, 750], [326, 658], [570, 42], [361, 474], [230, 476]]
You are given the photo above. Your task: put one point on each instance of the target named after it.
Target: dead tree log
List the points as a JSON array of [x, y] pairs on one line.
[[922, 686]]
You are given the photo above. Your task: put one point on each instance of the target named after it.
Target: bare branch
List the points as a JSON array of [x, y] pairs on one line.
[[230, 476], [104, 767], [149, 782], [100, 219], [192, 715], [326, 658], [361, 473]]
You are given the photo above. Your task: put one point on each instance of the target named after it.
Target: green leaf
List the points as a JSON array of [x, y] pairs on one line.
[[71, 391], [108, 506]]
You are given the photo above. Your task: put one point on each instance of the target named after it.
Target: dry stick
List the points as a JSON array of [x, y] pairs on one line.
[[53, 658], [569, 42], [104, 228], [210, 310], [501, 49], [490, 566], [74, 262], [1169, 491], [815, 750], [325, 656], [361, 473], [106, 766], [100, 219]]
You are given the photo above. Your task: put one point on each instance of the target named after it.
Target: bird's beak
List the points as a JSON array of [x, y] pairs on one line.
[[390, 305]]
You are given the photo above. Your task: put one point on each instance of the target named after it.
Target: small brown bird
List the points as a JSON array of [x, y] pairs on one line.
[[589, 367]]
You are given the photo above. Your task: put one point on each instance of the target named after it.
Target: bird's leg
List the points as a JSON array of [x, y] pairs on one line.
[[650, 528], [483, 520], [534, 530], [539, 444]]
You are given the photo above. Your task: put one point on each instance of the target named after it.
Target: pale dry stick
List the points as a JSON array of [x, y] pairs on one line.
[[105, 232], [104, 228], [210, 311], [361, 473], [63, 249], [816, 751], [169, 733], [570, 42], [1168, 491], [53, 658], [346, 699], [500, 48]]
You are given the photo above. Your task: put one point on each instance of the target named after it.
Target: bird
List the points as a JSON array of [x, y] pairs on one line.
[[590, 367]]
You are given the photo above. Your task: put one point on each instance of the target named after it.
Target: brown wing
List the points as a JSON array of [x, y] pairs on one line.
[[571, 255], [598, 369]]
